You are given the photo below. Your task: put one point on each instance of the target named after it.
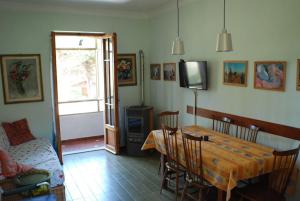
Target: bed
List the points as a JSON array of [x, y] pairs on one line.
[[39, 154]]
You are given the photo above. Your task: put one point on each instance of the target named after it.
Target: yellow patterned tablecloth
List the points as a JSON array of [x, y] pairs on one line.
[[226, 159]]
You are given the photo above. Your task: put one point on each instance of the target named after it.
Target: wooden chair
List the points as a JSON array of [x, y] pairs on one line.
[[193, 158], [274, 189], [222, 126], [168, 118], [172, 165], [247, 133]]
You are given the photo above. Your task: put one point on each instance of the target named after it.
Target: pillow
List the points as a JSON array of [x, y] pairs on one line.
[[11, 168], [18, 132], [4, 143]]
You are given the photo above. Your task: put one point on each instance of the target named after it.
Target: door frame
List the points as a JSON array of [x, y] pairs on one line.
[[54, 82]]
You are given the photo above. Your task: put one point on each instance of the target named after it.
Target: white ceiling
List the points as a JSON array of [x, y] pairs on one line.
[[118, 5]]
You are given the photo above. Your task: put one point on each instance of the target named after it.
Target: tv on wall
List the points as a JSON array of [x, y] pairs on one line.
[[193, 74]]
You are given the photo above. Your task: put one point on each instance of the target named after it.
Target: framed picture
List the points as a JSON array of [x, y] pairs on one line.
[[127, 69], [270, 75], [298, 75], [22, 78], [169, 71], [235, 73], [155, 71]]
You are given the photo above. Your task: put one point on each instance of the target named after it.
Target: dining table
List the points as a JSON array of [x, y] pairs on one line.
[[226, 160]]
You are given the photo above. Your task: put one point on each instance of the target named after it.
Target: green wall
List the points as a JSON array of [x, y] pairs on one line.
[[261, 30], [29, 32]]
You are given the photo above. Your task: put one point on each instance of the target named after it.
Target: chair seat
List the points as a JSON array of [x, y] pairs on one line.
[[172, 167], [173, 170], [205, 184], [259, 192]]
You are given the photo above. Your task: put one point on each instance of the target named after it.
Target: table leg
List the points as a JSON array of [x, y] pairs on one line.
[[221, 195]]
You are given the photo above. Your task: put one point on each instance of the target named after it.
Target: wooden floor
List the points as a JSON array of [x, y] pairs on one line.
[[101, 176], [82, 145]]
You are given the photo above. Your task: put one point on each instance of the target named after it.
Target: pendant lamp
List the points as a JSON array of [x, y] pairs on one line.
[[177, 47], [224, 42]]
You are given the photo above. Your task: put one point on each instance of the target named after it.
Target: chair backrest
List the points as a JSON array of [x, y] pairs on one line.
[[222, 126], [170, 140], [247, 133], [168, 118], [284, 163], [193, 157]]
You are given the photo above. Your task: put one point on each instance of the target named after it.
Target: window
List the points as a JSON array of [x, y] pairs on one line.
[[78, 74]]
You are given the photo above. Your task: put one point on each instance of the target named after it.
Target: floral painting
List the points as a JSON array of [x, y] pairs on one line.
[[22, 78], [170, 71], [270, 75], [235, 73], [127, 69], [155, 71]]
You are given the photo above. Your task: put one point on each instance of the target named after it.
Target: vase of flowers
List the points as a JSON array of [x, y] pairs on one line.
[[20, 73]]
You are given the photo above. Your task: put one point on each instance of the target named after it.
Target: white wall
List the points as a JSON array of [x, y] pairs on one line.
[[81, 125]]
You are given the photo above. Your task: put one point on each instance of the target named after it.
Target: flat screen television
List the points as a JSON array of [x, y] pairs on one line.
[[193, 74]]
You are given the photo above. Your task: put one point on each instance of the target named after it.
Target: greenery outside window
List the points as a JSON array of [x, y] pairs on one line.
[[78, 74]]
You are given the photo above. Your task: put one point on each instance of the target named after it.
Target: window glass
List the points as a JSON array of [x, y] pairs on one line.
[[79, 75], [76, 75]]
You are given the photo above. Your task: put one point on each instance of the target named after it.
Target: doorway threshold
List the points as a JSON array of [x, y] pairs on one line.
[[81, 145], [82, 151]]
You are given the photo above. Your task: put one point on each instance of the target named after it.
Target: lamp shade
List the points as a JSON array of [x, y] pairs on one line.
[[224, 42], [178, 47]]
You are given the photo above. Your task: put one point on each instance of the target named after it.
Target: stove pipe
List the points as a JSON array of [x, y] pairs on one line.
[[141, 54]]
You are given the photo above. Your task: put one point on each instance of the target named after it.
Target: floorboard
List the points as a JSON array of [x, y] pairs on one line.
[[101, 176]]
